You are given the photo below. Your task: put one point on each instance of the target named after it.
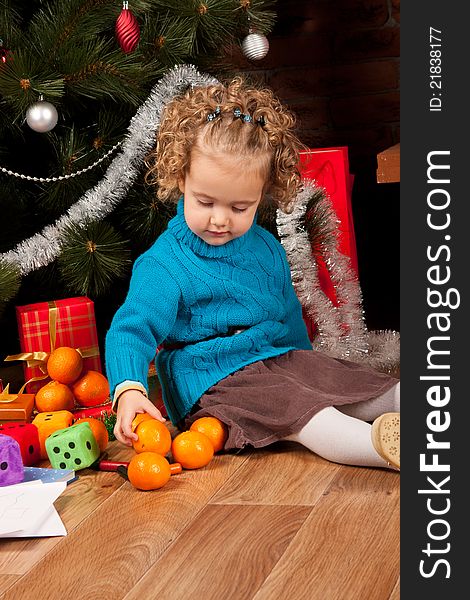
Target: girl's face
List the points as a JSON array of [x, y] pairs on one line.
[[220, 200]]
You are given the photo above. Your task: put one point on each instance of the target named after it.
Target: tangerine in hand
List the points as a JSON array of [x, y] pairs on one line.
[[192, 449], [153, 436], [139, 418], [215, 430], [148, 471]]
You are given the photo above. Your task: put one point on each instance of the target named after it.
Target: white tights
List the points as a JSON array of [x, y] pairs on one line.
[[342, 434]]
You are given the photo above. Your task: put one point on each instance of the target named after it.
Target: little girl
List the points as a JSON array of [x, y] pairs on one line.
[[215, 292]]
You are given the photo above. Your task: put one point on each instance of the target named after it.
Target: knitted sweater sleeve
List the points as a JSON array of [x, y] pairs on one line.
[[141, 323]]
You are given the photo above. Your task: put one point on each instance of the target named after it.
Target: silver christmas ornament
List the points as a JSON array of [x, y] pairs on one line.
[[42, 116], [255, 46]]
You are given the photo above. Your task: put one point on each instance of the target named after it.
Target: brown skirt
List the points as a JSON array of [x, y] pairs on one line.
[[268, 400]]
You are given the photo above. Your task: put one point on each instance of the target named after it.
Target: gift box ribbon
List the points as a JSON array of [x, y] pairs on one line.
[[39, 359], [6, 397]]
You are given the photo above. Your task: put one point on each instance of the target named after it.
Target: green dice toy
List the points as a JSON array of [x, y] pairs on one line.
[[74, 447]]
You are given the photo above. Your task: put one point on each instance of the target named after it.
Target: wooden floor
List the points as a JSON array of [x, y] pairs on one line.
[[277, 523]]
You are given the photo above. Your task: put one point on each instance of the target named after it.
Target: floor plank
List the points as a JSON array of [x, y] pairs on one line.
[[115, 546], [227, 552], [80, 499], [395, 595], [285, 473], [287, 525], [349, 545], [6, 581]]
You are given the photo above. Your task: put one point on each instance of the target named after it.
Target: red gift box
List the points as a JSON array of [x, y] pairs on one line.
[[44, 326], [329, 169], [96, 412]]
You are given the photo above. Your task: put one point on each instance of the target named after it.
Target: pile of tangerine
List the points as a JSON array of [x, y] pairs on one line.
[[193, 449], [70, 384]]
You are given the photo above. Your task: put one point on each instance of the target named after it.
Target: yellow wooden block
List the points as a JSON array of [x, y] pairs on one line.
[[49, 422]]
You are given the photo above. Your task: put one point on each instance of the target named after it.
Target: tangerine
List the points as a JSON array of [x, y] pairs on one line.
[[215, 430], [154, 436], [139, 418], [54, 396], [64, 364], [98, 428], [91, 389], [192, 449], [148, 471]]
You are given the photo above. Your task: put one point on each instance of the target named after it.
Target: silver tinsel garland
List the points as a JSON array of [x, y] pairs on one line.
[[44, 247], [341, 331], [295, 240]]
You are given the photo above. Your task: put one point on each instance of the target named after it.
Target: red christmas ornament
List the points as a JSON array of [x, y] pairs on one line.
[[4, 52], [127, 29]]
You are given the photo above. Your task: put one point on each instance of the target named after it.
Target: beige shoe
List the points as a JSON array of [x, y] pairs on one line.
[[386, 437]]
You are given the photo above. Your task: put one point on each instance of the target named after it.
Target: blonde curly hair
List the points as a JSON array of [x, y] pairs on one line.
[[267, 145]]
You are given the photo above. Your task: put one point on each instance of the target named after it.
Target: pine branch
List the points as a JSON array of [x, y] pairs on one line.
[[72, 153], [165, 39], [99, 72], [9, 282], [92, 258], [143, 217], [210, 23], [215, 21], [10, 23], [259, 15], [24, 78], [6, 124], [60, 23]]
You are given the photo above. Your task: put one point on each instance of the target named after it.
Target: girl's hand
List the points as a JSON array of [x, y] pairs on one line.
[[132, 402]]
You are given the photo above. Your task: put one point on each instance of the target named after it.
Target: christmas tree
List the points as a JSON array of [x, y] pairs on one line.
[[73, 75]]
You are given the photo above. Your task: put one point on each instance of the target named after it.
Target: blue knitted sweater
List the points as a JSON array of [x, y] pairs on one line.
[[185, 290]]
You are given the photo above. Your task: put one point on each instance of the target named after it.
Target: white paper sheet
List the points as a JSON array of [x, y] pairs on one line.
[[27, 510]]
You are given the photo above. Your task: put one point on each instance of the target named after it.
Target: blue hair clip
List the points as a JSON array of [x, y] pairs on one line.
[[237, 113], [213, 115]]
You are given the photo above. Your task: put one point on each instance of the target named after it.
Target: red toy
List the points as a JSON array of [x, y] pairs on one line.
[[27, 436]]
